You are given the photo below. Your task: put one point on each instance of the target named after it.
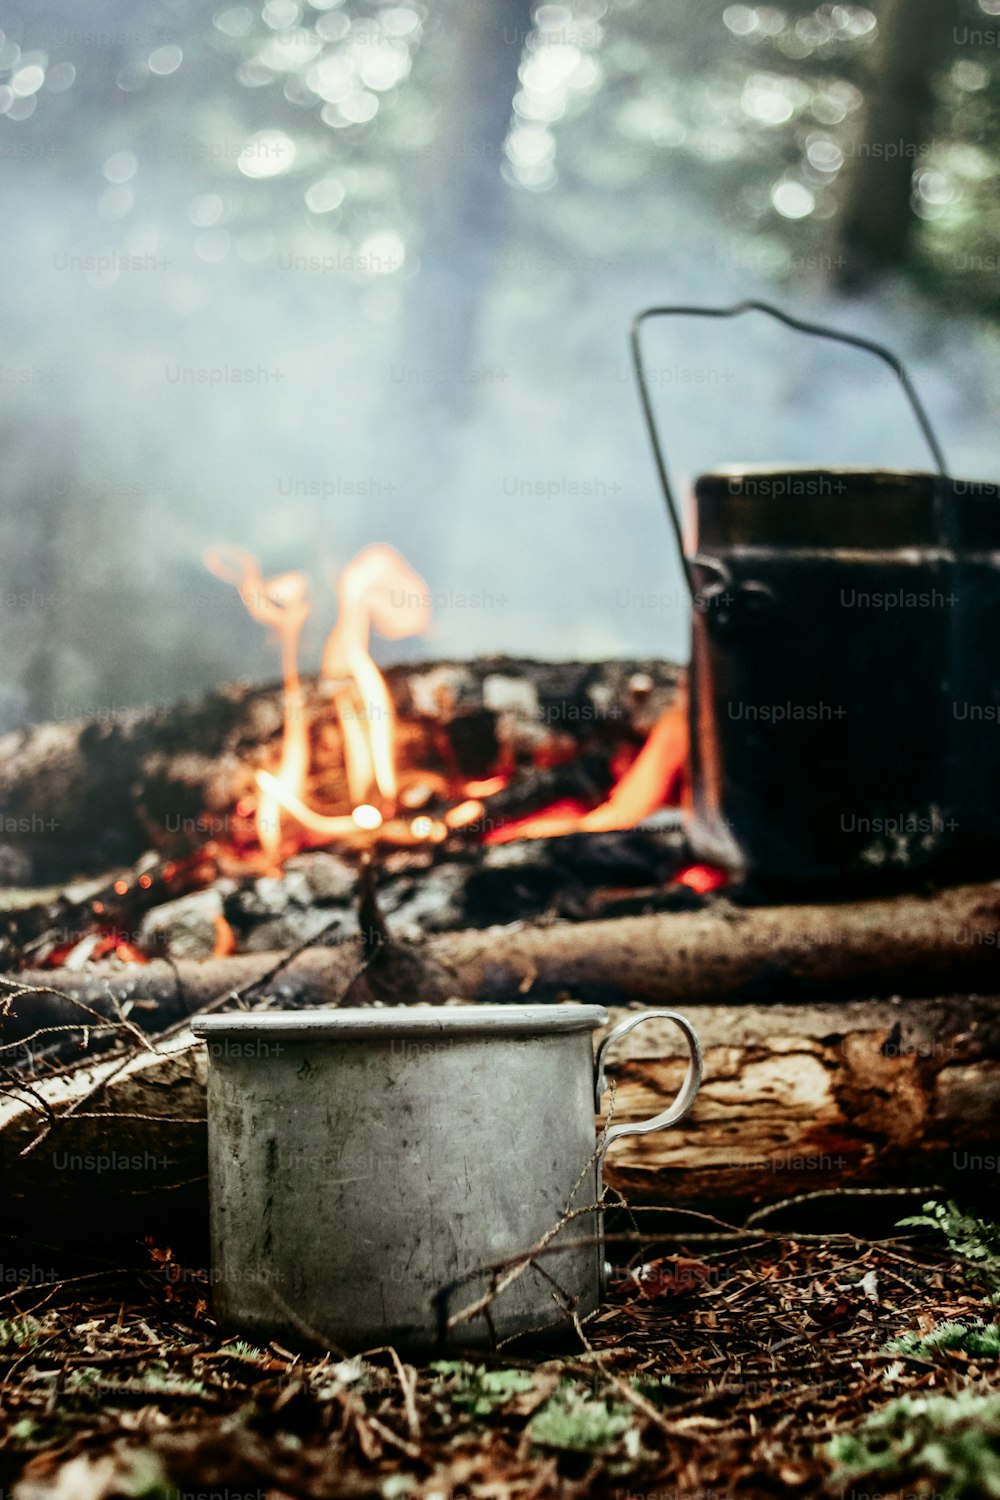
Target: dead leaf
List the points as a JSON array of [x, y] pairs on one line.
[[833, 1312], [672, 1276]]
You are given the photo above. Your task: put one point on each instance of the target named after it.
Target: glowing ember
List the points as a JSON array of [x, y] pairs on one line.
[[225, 938], [702, 878], [487, 786], [464, 814], [564, 816]]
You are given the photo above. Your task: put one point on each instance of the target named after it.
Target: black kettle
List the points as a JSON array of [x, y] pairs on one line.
[[845, 673]]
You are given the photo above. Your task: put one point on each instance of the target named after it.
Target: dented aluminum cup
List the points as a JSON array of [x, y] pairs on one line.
[[375, 1173]]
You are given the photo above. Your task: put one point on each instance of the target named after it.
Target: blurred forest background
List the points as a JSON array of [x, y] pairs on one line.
[[325, 272]]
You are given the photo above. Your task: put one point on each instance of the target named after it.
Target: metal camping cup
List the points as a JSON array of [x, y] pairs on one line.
[[843, 694], [369, 1168]]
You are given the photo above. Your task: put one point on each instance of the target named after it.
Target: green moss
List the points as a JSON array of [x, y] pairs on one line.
[[476, 1389], [951, 1443], [979, 1339], [94, 1382], [577, 1421]]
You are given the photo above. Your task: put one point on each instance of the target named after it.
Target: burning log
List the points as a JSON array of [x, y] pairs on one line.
[[93, 794], [179, 909], [796, 1098]]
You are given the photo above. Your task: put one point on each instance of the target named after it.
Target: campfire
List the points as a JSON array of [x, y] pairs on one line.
[[469, 1075], [408, 776], [378, 592]]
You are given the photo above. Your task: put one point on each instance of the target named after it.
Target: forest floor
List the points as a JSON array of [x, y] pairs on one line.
[[745, 1362]]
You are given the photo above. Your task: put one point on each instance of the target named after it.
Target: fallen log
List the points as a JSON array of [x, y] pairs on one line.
[[899, 945], [796, 1098], [799, 1098]]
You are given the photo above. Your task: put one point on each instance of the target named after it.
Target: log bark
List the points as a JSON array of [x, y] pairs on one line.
[[803, 1098], [88, 795], [796, 1098], [901, 945]]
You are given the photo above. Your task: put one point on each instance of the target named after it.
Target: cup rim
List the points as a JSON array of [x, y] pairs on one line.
[[512, 1019]]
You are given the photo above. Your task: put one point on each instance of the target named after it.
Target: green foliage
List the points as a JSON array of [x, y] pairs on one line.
[[574, 1418], [145, 1477], [23, 1433], [476, 1389], [240, 1349], [577, 1421], [979, 1339], [950, 1442], [973, 1240], [19, 1333], [395, 1486], [94, 1382], [161, 1381]]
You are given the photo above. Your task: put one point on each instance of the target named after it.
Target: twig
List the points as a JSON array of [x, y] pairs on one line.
[[408, 1385], [630, 1394], [760, 1214], [17, 991]]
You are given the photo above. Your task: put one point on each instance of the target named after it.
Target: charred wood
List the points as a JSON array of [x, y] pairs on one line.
[[88, 795]]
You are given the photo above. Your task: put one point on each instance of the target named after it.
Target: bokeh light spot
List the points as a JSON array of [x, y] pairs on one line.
[[792, 199], [121, 166], [741, 20], [237, 20], [60, 78], [324, 196], [267, 154], [382, 254], [27, 81], [359, 108], [165, 60]]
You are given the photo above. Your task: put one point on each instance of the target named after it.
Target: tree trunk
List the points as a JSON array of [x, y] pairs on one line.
[[466, 213], [876, 218]]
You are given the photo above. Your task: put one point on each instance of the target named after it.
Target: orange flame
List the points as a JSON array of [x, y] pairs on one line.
[[643, 788], [280, 602], [377, 591], [364, 815]]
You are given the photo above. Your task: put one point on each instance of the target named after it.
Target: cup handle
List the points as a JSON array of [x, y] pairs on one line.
[[679, 1107]]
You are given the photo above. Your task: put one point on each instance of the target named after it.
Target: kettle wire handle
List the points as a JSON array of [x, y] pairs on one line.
[[679, 1107], [817, 330]]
